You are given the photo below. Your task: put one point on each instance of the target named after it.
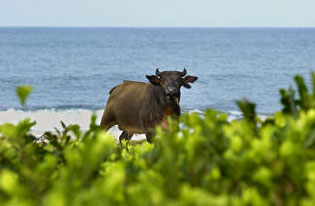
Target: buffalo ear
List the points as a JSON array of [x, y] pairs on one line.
[[189, 79], [153, 79]]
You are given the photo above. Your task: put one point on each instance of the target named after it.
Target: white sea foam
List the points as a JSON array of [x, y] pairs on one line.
[[48, 120], [234, 115], [195, 111]]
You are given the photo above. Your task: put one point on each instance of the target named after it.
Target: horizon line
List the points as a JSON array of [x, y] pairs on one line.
[[168, 27]]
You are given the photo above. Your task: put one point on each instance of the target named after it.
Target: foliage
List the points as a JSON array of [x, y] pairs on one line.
[[305, 101], [207, 161], [23, 92]]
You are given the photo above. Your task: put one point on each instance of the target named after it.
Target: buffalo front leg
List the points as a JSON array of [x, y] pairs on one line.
[[124, 135], [149, 137]]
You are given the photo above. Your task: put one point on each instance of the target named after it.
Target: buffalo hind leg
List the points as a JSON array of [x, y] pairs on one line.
[[108, 121]]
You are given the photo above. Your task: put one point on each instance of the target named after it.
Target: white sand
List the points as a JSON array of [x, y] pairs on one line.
[[47, 120]]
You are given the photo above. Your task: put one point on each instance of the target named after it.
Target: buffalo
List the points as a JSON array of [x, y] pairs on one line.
[[137, 107]]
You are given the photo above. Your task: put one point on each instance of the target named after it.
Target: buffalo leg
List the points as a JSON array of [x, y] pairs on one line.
[[149, 137], [124, 135], [107, 121]]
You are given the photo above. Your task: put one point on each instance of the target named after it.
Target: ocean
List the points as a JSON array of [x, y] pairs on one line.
[[73, 69]]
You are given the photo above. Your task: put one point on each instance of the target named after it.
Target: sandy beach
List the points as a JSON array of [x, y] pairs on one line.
[[48, 120]]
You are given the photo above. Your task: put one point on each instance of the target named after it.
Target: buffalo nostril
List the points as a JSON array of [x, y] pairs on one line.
[[171, 90]]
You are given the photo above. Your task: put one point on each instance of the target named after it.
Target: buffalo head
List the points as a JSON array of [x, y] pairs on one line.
[[171, 81]]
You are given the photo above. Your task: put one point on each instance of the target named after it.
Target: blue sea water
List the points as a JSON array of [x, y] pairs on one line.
[[74, 68]]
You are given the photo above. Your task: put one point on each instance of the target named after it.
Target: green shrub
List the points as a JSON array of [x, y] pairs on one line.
[[207, 161], [23, 92]]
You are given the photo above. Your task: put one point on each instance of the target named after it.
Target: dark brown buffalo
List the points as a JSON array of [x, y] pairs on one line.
[[137, 107]]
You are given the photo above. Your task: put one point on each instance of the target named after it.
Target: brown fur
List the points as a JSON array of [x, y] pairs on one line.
[[137, 107]]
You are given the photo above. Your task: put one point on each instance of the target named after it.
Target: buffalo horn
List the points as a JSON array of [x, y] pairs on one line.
[[157, 72], [184, 72]]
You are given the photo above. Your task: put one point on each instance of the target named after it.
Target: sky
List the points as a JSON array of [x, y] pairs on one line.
[[158, 13]]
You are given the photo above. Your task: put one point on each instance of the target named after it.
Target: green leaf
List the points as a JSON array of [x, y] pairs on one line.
[[8, 130], [248, 109], [303, 92], [288, 101], [313, 83], [63, 125], [23, 92]]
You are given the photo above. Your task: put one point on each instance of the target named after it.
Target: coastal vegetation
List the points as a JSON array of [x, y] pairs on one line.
[[206, 161]]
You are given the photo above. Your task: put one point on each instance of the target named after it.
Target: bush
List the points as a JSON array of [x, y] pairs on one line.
[[207, 161]]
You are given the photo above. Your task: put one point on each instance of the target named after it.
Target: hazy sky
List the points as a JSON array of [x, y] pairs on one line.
[[161, 13]]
